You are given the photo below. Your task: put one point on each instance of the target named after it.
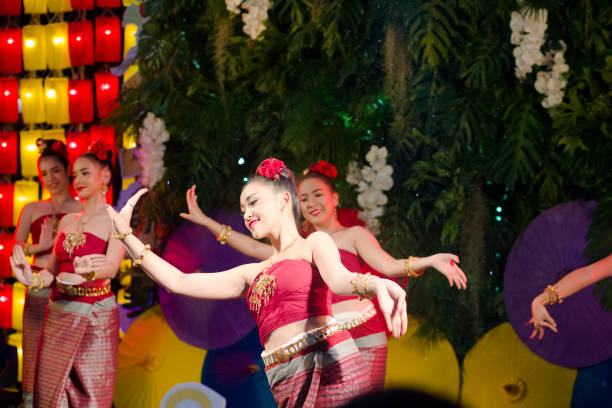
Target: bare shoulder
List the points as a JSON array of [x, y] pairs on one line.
[[318, 238], [249, 271], [67, 219]]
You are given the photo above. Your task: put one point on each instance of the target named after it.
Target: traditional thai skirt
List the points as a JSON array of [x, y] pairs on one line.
[[34, 313], [328, 373], [77, 359]]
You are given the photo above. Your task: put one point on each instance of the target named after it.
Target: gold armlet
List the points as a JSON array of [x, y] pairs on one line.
[[37, 282], [554, 296], [138, 261]]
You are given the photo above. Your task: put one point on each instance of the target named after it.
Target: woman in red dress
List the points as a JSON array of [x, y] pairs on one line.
[[41, 219], [77, 357], [318, 203], [310, 360]]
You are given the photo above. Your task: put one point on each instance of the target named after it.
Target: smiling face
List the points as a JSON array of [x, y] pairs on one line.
[[317, 201], [262, 207], [54, 174], [90, 177]]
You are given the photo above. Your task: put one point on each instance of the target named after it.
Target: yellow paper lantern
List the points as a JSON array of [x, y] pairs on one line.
[[16, 340], [28, 152], [55, 134], [56, 101], [34, 46], [129, 37], [128, 3], [26, 191], [35, 6], [130, 72], [59, 6], [129, 138], [32, 100], [18, 302], [58, 54]]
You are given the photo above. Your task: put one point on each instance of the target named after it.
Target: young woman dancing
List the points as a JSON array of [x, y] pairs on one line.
[[77, 357], [318, 202], [41, 219], [310, 361], [568, 285]]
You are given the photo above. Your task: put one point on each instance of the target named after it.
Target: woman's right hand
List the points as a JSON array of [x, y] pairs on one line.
[[45, 241], [121, 220], [540, 318], [21, 267], [392, 301], [195, 214]]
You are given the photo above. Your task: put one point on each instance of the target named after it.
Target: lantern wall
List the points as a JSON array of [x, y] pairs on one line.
[[56, 101], [107, 39], [9, 108], [58, 54], [10, 50], [34, 47], [28, 152], [6, 204], [26, 191], [6, 249], [8, 152], [32, 100], [80, 101], [80, 43]]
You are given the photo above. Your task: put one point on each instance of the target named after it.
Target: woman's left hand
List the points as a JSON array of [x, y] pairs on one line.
[[447, 265], [90, 263], [392, 302], [121, 220], [540, 318]]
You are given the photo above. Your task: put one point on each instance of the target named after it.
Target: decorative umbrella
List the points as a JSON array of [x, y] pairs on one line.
[[192, 395], [151, 360], [209, 324], [432, 368], [593, 387], [499, 371], [552, 245]]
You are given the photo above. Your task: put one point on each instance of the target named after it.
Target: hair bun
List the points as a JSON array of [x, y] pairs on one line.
[[102, 150]]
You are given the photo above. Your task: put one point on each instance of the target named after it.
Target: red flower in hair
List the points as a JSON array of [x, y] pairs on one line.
[[271, 168], [60, 148], [100, 149], [324, 168]]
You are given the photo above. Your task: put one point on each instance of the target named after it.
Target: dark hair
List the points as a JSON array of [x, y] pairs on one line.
[[284, 182], [53, 148], [319, 176]]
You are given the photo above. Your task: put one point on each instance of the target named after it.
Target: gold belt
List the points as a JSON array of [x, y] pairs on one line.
[[72, 290], [285, 353], [359, 320]]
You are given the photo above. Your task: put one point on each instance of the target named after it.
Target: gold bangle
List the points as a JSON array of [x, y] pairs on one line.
[[224, 235], [554, 296], [140, 258], [121, 237], [26, 250], [410, 272], [89, 275], [37, 283], [360, 285]]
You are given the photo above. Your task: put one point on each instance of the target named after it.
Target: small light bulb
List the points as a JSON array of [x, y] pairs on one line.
[[73, 145], [10, 41], [78, 38], [72, 92], [7, 93], [4, 144], [58, 40], [30, 43], [51, 93], [107, 32]]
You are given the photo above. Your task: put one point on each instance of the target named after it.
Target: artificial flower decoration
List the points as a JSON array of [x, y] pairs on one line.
[[324, 168], [271, 168], [100, 149], [152, 136]]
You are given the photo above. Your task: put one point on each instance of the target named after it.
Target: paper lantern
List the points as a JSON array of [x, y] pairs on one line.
[[28, 152], [58, 55], [35, 6], [9, 108], [80, 101], [107, 93], [59, 6], [128, 3], [16, 340], [130, 72], [17, 306], [10, 7], [6, 249], [129, 37], [108, 3], [108, 39], [32, 100], [105, 133], [6, 306], [6, 204], [26, 191], [82, 4], [8, 152], [34, 46], [77, 144], [54, 134], [56, 101], [80, 43], [10, 50]]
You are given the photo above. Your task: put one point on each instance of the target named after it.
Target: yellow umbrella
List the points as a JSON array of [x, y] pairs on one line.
[[151, 361], [431, 368], [500, 371]]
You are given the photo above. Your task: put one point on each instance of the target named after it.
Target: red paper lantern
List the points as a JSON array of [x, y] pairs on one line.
[[80, 101], [6, 248], [8, 152], [10, 50], [80, 43], [108, 3], [6, 204], [6, 306], [10, 7], [82, 4], [77, 144], [107, 93], [9, 110], [108, 39]]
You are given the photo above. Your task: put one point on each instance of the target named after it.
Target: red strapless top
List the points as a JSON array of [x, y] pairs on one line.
[[300, 293], [93, 245], [36, 227]]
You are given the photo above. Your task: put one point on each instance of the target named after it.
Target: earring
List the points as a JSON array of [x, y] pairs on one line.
[[104, 190]]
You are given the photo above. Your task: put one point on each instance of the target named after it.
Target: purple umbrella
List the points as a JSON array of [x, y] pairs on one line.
[[552, 245], [209, 324]]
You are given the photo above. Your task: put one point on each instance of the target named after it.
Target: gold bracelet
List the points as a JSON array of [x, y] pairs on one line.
[[37, 283], [26, 250], [121, 237], [224, 235], [364, 289], [410, 272], [89, 275], [140, 258], [554, 296]]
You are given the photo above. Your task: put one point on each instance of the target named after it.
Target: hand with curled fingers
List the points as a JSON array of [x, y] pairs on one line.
[[121, 220], [392, 301], [448, 265], [540, 318], [20, 266]]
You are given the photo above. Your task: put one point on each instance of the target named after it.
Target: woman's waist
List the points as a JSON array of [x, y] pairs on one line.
[[285, 333], [351, 305]]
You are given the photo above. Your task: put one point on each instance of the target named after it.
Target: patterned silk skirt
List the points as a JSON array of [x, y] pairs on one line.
[[77, 359], [329, 373], [34, 313]]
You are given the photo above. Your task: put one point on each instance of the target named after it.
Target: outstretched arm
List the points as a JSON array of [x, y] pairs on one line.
[[240, 242], [221, 285], [567, 286], [371, 252]]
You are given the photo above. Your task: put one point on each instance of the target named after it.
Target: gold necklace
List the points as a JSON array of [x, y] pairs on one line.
[[77, 238], [265, 286]]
